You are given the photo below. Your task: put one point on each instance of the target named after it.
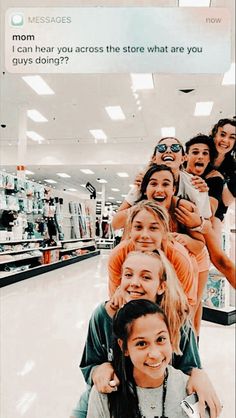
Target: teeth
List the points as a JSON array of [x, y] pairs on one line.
[[159, 199], [135, 293], [154, 365], [168, 158]]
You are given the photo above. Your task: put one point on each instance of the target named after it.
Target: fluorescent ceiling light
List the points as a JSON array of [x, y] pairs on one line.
[[64, 175], [36, 116], [98, 133], [194, 3], [37, 83], [131, 185], [101, 181], [168, 131], [124, 195], [122, 174], [72, 190], [229, 76], [142, 81], [115, 190], [86, 171], [50, 181], [99, 192], [119, 201], [34, 136], [111, 198], [83, 185], [203, 108], [28, 172], [115, 112]]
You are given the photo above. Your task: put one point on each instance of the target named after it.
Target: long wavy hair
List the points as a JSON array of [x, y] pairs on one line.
[[173, 301], [228, 163], [124, 402]]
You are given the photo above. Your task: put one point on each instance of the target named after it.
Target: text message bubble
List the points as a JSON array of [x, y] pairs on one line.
[[117, 40]]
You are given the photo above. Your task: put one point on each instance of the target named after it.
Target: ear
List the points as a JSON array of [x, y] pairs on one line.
[[120, 343], [161, 288]]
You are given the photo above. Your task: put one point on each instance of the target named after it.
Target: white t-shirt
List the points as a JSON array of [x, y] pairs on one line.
[[150, 399]]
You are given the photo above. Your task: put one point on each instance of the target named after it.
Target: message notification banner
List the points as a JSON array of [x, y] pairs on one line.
[[117, 40]]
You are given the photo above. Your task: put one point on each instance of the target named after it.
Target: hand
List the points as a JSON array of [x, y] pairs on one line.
[[181, 238], [190, 219], [104, 378], [199, 184], [138, 179], [116, 300], [200, 383]]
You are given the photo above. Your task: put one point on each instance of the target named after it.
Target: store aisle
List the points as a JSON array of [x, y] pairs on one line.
[[43, 328]]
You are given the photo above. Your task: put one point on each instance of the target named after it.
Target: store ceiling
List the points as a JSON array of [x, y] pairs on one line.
[[79, 105]]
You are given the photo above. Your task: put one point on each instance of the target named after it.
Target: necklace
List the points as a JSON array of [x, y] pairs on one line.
[[164, 391]]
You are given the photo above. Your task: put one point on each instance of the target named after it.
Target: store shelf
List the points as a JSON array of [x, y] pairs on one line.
[[66, 250], [9, 242], [76, 240], [223, 316], [35, 271], [25, 250], [20, 259]]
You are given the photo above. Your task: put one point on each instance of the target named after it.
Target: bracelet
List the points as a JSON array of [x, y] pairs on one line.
[[200, 227]]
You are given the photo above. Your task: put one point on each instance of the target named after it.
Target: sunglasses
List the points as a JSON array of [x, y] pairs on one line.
[[173, 147]]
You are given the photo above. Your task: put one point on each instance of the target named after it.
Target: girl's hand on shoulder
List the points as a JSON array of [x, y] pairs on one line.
[[190, 219], [200, 383], [199, 184], [181, 238], [105, 379], [116, 300]]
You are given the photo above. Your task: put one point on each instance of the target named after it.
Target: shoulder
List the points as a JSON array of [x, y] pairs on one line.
[[176, 251], [99, 314], [98, 405], [176, 376]]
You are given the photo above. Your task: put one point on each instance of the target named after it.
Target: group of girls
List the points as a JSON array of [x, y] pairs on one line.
[[141, 355]]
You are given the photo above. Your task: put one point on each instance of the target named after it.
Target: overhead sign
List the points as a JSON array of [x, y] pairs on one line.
[[91, 189]]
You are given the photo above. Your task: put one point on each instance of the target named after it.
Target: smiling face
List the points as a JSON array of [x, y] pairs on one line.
[[198, 158], [225, 138], [146, 232], [161, 188], [169, 158], [141, 277], [150, 350]]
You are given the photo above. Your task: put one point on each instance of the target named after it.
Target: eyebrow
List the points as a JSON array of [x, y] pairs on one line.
[[144, 338], [165, 179], [152, 223], [232, 134], [197, 149]]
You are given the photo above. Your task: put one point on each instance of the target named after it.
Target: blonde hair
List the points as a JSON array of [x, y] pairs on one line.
[[152, 207], [173, 301]]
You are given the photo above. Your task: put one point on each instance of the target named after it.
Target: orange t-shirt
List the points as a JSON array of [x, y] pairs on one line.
[[184, 265]]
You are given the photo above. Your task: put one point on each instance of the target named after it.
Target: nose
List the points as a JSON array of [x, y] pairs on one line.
[[154, 352], [144, 233], [135, 281]]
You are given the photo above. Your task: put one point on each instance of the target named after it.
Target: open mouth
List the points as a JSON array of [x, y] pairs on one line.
[[168, 158], [223, 146], [154, 365], [135, 294], [159, 199], [201, 165]]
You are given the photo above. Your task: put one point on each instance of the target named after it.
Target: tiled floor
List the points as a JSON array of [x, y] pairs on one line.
[[43, 328]]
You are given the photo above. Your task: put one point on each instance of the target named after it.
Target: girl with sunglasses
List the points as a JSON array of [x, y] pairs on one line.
[[144, 276]]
